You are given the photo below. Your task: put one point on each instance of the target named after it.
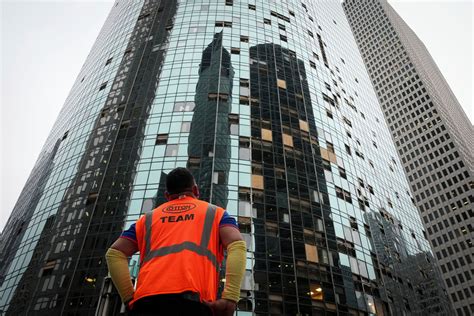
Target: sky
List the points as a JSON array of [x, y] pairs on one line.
[[45, 43]]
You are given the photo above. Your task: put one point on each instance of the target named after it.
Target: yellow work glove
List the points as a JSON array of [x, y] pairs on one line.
[[235, 269], [118, 269]]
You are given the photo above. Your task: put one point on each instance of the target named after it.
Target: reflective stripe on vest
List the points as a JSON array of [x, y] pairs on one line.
[[200, 249]]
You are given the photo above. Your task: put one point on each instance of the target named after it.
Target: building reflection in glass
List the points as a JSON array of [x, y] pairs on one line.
[[18, 223], [26, 288], [67, 274], [294, 233], [412, 283], [209, 136]]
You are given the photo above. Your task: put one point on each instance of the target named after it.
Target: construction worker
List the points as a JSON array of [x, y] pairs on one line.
[[181, 246]]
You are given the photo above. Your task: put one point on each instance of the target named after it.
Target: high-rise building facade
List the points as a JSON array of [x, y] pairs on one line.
[[433, 136], [270, 106]]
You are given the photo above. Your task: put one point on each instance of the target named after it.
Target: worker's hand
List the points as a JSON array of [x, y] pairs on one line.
[[222, 307]]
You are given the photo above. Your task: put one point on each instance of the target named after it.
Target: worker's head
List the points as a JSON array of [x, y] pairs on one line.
[[180, 180]]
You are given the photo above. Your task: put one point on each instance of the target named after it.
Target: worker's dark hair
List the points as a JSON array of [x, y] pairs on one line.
[[179, 180]]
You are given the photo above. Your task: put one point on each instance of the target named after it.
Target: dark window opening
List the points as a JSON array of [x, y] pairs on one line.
[[92, 198], [343, 194], [143, 16], [342, 173], [102, 86], [104, 112], [125, 124], [223, 24], [244, 148], [245, 224], [48, 268], [161, 139], [234, 124], [326, 165], [330, 147], [219, 177], [348, 149], [194, 162], [329, 113], [65, 135], [280, 16], [218, 96], [323, 51]]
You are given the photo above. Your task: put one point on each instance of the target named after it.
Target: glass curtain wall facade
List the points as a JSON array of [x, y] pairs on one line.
[[270, 106], [433, 136]]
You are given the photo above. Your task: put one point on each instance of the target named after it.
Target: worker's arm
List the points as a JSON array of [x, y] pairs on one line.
[[232, 240], [235, 265], [117, 261]]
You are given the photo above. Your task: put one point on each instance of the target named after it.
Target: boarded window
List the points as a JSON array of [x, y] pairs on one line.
[[326, 154], [281, 83], [304, 126], [311, 253], [267, 134], [257, 181], [287, 140]]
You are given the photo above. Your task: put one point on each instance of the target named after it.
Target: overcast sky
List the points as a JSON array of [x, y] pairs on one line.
[[44, 44]]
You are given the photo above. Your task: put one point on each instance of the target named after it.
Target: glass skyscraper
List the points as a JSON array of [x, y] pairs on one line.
[[433, 136], [269, 104]]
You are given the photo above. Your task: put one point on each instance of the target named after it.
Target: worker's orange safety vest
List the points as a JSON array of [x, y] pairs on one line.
[[179, 249]]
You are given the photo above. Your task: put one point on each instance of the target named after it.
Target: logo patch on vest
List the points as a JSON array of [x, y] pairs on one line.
[[179, 208], [178, 218]]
